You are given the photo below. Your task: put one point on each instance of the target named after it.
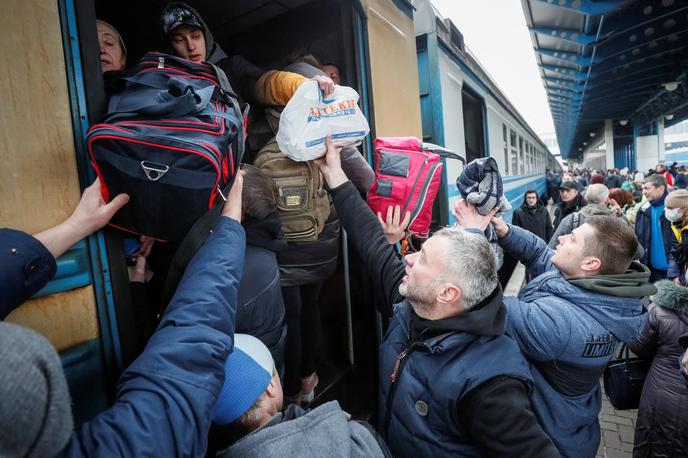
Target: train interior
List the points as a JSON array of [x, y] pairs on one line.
[[269, 34]]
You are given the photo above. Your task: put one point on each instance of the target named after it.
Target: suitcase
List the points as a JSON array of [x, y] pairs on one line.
[[172, 140], [408, 173]]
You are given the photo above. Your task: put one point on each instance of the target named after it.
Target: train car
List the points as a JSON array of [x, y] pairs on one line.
[[463, 109], [53, 92]]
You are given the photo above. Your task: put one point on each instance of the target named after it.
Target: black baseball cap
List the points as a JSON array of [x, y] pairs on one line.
[[177, 14], [569, 185]]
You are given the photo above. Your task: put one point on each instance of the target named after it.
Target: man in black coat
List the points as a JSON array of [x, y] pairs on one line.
[[533, 216], [571, 201]]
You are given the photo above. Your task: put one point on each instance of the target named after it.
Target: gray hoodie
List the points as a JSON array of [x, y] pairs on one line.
[[324, 431]]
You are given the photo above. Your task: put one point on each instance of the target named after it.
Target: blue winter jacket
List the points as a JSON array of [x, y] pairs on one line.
[[165, 398], [25, 267], [568, 335]]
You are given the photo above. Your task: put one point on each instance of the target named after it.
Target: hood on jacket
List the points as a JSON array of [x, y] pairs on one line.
[[632, 283], [265, 233], [595, 210], [486, 319], [615, 301], [213, 52], [671, 296]]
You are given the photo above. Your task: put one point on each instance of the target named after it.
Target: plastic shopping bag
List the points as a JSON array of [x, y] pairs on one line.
[[308, 119]]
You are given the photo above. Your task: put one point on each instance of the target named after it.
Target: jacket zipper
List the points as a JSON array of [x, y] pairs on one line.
[[394, 376], [415, 182], [424, 192]]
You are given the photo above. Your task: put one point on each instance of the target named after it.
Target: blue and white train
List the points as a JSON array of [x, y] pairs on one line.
[[463, 109]]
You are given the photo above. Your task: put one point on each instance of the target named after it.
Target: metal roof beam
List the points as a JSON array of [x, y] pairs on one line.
[[565, 56], [571, 36], [568, 84], [568, 72], [586, 6]]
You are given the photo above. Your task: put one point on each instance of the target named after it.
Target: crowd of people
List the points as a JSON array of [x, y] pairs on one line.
[[228, 367]]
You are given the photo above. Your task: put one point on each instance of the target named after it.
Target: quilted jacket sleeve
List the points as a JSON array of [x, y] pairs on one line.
[[25, 267], [529, 249], [166, 397]]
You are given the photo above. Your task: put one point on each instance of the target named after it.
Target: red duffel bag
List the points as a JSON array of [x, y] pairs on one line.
[[408, 173]]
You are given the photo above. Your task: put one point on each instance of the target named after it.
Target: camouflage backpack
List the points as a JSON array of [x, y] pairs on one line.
[[301, 200]]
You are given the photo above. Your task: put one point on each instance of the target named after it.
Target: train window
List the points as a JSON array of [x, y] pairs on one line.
[[506, 149], [521, 156], [514, 154]]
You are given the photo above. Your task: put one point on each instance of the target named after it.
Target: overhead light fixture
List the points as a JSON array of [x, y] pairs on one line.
[[592, 134], [580, 149], [669, 117], [623, 122], [671, 86], [585, 143]]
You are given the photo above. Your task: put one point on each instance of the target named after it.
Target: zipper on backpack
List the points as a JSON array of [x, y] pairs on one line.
[[424, 192], [415, 183]]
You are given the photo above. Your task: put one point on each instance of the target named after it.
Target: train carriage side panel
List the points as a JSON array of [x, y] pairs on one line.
[[393, 70], [40, 186]]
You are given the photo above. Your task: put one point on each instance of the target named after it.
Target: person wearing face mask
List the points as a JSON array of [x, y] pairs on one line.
[[675, 207]]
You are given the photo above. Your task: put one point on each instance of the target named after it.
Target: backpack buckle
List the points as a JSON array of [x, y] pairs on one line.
[[154, 171]]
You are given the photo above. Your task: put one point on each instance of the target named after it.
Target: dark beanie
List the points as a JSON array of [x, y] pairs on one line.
[[35, 411]]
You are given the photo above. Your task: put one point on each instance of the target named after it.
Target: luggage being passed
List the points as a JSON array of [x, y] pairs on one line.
[[408, 173], [172, 140]]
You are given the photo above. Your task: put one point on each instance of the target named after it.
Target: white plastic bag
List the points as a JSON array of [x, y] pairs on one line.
[[308, 119]]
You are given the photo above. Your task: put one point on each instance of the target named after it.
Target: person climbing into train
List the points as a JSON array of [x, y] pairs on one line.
[[586, 297], [165, 398], [447, 371], [249, 420], [189, 37]]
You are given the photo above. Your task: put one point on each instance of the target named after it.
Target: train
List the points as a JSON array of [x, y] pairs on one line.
[[415, 77]]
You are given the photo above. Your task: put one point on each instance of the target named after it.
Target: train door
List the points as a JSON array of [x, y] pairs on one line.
[[473, 123], [43, 116], [374, 45]]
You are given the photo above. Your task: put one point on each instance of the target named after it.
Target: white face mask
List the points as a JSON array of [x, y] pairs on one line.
[[673, 214]]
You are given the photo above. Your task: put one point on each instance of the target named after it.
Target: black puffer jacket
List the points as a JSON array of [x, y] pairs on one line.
[[260, 307], [662, 425], [564, 209], [534, 219]]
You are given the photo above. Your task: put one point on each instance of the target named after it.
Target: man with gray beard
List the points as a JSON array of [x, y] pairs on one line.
[[451, 382]]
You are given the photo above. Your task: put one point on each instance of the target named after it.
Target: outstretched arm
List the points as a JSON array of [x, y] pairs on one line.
[[166, 397], [27, 263], [364, 230]]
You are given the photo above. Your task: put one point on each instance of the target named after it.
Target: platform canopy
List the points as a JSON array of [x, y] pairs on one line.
[[624, 61]]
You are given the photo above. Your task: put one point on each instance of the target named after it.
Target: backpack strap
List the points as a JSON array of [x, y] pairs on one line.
[[575, 220]]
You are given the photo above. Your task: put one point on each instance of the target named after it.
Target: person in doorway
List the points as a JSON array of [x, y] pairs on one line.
[[653, 229], [189, 37], [113, 53], [661, 428], [586, 297], [571, 201], [447, 371], [533, 216], [248, 420], [332, 70]]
